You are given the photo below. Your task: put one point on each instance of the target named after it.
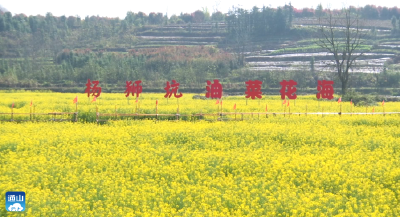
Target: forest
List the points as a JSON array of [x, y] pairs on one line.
[[61, 53]]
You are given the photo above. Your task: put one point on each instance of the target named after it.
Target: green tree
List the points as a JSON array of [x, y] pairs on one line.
[[289, 14], [206, 14], [198, 16], [385, 13], [8, 21], [130, 18], [217, 17], [187, 18], [279, 21], [71, 22], [319, 11], [370, 12], [33, 23], [239, 30], [175, 19], [2, 23], [394, 20]]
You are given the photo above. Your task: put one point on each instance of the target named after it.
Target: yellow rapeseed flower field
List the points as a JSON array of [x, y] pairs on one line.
[[112, 103], [276, 166]]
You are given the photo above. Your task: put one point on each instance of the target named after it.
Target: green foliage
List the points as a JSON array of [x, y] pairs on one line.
[[217, 17], [361, 99], [394, 21], [259, 22], [370, 12], [71, 67]]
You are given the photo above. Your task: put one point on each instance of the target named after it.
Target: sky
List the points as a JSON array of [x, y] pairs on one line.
[[119, 8]]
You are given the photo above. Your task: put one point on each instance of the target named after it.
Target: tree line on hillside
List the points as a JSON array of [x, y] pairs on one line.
[[20, 22], [367, 12], [244, 26]]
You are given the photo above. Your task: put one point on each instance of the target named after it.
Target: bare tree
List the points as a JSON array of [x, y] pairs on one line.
[[340, 34]]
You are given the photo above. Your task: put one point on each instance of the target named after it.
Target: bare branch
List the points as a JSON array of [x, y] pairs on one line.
[[346, 49]]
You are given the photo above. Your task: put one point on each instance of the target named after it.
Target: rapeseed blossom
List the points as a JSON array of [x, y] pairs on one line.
[[276, 166]]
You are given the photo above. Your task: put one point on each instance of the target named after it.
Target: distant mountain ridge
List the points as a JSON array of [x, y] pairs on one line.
[[3, 9]]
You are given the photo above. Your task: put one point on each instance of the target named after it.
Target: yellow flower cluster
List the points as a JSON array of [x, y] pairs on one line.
[[117, 103], [275, 166]]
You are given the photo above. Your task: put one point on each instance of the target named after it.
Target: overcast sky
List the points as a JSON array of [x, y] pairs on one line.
[[118, 8]]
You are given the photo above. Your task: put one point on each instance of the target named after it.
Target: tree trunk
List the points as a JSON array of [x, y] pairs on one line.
[[346, 51], [344, 87]]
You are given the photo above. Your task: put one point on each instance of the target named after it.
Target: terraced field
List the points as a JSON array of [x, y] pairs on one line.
[[281, 53], [174, 34], [369, 63]]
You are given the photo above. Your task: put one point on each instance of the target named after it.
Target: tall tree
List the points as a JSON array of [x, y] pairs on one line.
[[279, 21], [217, 16], [239, 30], [2, 23], [198, 16], [394, 20], [370, 12], [340, 35], [319, 11]]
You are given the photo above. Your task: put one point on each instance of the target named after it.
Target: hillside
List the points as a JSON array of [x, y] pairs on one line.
[[60, 53]]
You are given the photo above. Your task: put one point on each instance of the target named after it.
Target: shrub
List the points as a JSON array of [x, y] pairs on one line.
[[360, 99]]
